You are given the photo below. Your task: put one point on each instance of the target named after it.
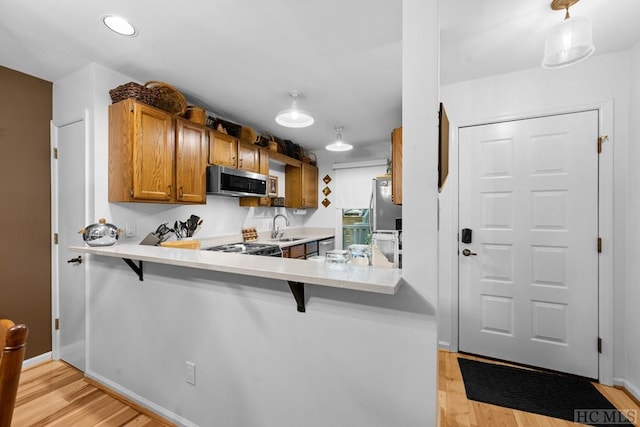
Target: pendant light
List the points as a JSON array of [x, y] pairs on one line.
[[119, 25], [339, 144], [294, 117], [569, 41]]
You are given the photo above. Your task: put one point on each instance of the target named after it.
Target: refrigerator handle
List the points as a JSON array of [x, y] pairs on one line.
[[371, 213]]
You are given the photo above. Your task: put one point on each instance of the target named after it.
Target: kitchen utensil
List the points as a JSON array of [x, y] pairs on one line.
[[162, 232], [100, 234], [151, 239]]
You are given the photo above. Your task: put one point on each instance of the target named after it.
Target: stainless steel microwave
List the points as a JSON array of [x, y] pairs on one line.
[[235, 182]]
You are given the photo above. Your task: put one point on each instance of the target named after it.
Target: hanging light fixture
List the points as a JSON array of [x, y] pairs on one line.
[[119, 25], [569, 41], [294, 117], [339, 144]]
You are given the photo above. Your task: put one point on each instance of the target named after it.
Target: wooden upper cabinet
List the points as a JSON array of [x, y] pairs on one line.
[[154, 156], [396, 166], [141, 153], [223, 149], [191, 162], [301, 186], [248, 157], [309, 186]]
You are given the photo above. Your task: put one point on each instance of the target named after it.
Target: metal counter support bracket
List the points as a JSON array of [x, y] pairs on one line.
[[297, 289], [136, 268]]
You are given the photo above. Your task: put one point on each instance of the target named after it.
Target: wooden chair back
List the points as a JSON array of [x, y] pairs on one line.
[[13, 343]]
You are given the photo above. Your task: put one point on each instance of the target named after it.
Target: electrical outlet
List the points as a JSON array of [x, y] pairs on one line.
[[190, 373], [130, 229]]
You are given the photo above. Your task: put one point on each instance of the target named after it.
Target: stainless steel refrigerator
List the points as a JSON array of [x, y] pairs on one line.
[[383, 212]]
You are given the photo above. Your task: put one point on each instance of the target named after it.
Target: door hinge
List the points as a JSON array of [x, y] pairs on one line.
[[601, 139], [56, 324], [599, 345], [55, 153], [599, 244], [55, 238]]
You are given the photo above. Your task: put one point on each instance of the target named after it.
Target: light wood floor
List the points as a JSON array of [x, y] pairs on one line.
[[56, 394], [455, 410]]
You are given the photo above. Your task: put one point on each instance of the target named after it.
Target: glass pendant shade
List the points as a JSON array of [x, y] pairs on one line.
[[119, 25], [568, 42], [339, 144], [294, 117]]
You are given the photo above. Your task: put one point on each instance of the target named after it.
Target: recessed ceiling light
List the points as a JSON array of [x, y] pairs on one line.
[[119, 25]]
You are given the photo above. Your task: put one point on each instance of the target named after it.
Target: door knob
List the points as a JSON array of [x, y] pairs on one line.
[[76, 260], [467, 252]]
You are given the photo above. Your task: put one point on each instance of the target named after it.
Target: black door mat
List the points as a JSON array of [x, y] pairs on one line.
[[560, 396]]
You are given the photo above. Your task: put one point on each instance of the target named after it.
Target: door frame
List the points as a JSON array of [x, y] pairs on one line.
[[605, 224], [55, 257]]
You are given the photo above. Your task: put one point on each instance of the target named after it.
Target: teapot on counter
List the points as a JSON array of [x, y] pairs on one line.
[[100, 234]]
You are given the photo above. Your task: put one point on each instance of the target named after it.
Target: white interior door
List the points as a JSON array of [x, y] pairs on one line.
[[528, 281], [70, 217]]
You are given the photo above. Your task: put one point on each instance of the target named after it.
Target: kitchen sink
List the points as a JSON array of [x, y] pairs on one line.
[[289, 239]]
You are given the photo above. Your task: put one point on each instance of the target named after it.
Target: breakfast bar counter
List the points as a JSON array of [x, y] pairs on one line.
[[296, 271]]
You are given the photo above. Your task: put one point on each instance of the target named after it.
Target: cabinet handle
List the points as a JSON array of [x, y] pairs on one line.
[[169, 191], [303, 203], [240, 163], [181, 195], [233, 161]]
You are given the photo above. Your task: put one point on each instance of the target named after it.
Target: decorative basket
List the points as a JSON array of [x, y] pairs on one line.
[[248, 135], [135, 91], [224, 126], [169, 98], [195, 114]]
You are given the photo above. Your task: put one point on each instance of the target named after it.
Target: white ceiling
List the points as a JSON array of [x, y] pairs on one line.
[[240, 58]]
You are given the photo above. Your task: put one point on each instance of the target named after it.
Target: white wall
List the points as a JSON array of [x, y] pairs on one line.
[[353, 358], [538, 91], [343, 191], [632, 297]]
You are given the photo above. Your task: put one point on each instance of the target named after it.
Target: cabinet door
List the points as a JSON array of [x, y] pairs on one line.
[[309, 186], [396, 166], [297, 251], [223, 149], [153, 154], [248, 157], [191, 162]]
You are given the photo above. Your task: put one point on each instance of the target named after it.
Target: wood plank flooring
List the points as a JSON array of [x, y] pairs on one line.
[[56, 394], [454, 410]]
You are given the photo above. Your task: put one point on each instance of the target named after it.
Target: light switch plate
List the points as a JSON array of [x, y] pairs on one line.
[[130, 229], [190, 373]]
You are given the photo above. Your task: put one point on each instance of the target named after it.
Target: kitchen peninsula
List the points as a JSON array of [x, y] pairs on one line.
[[297, 272]]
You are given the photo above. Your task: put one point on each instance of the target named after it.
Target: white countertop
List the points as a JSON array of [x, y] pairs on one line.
[[360, 278], [303, 235]]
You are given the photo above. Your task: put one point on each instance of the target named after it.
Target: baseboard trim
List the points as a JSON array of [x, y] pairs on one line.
[[136, 401], [444, 345], [36, 360], [631, 390]]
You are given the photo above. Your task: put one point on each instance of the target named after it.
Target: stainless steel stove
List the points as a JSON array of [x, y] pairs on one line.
[[249, 248]]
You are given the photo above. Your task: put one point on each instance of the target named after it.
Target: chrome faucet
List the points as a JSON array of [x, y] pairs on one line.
[[275, 231]]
